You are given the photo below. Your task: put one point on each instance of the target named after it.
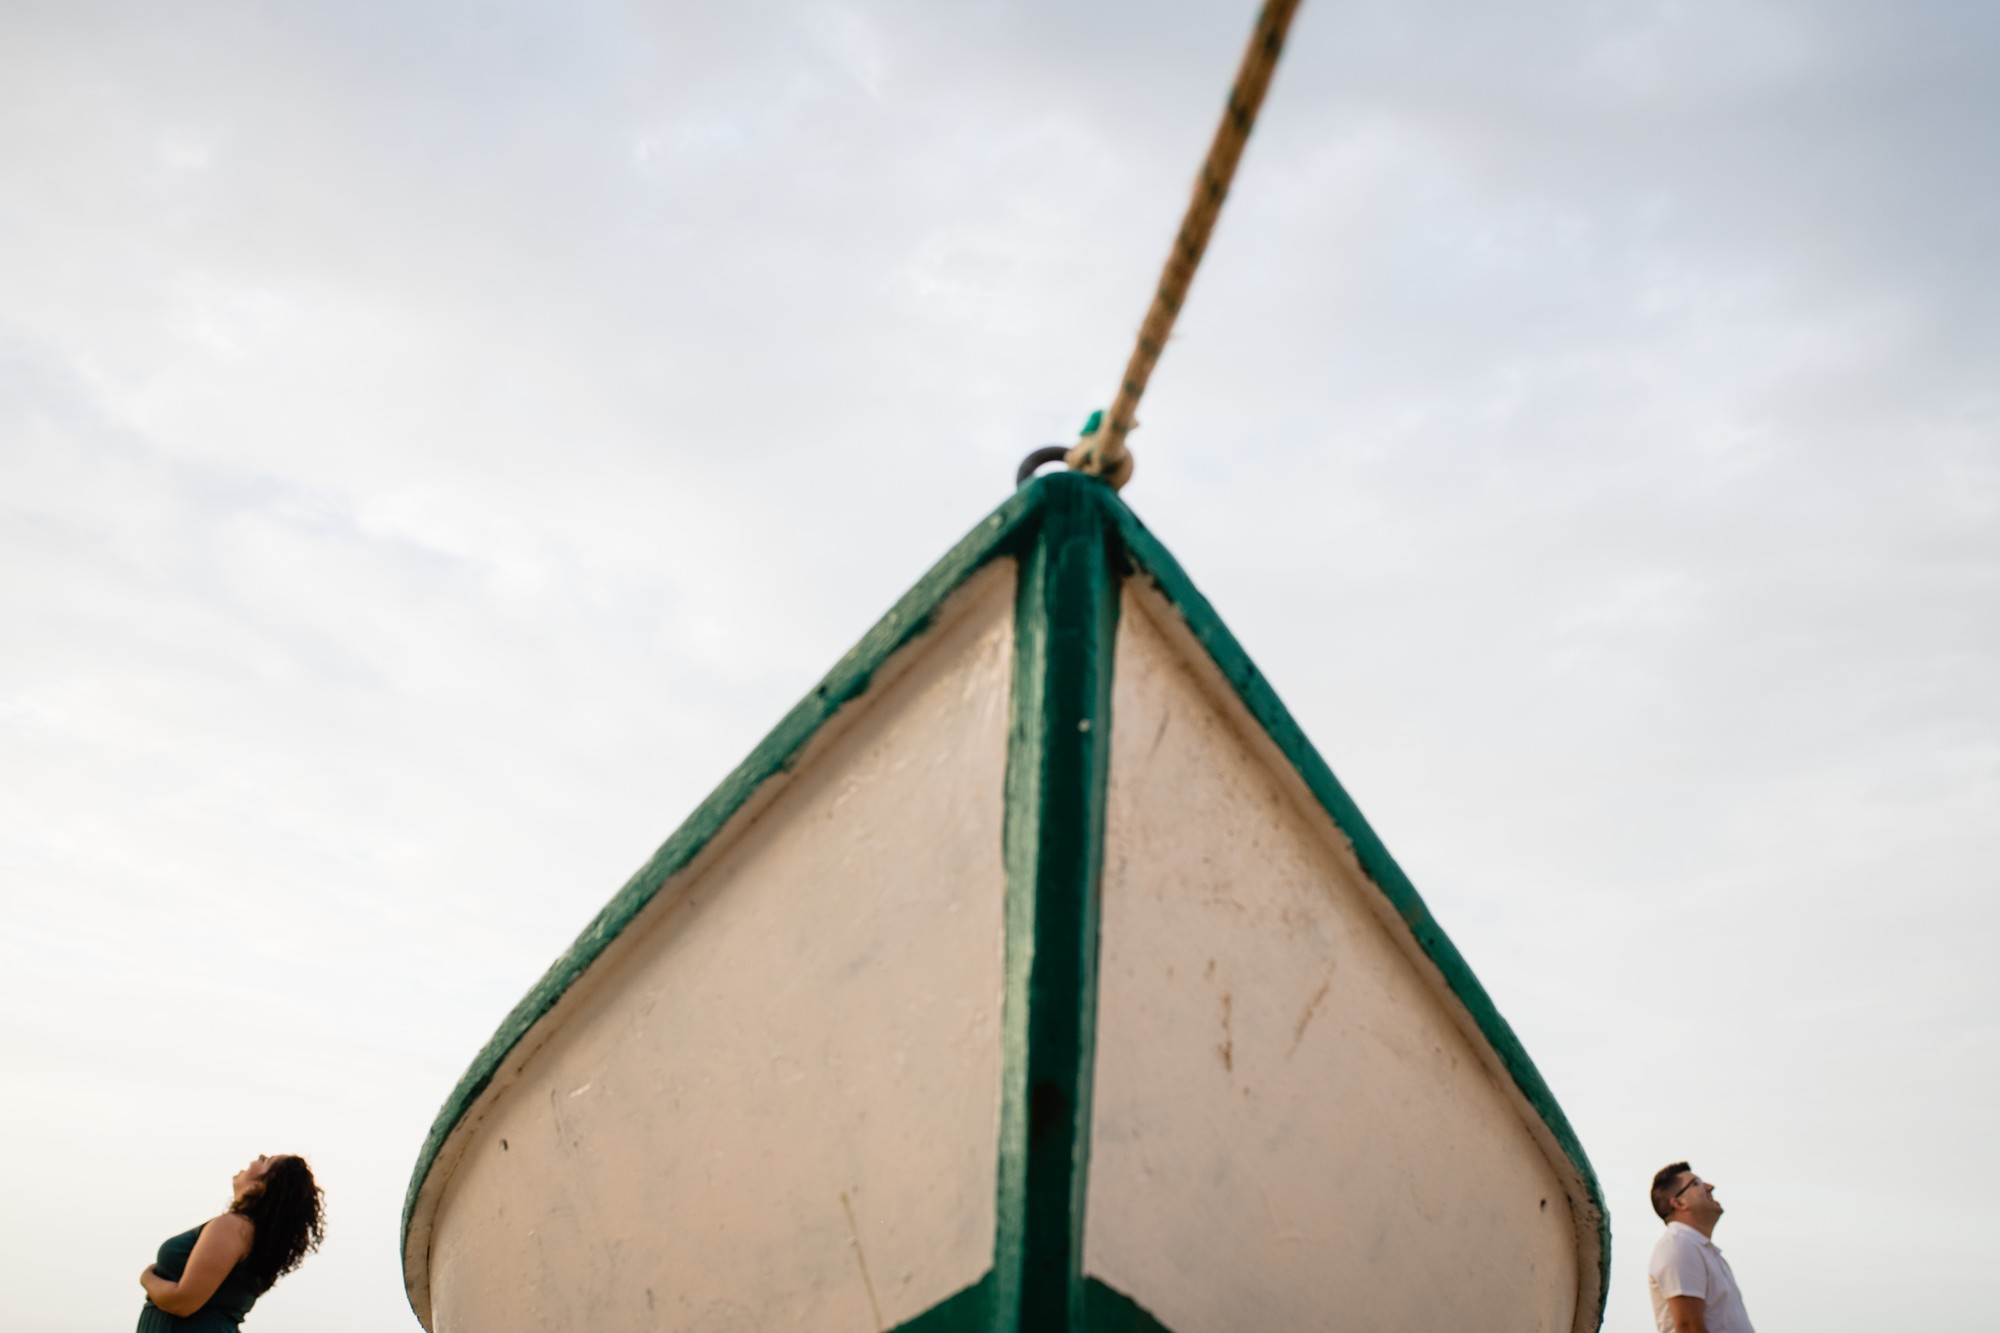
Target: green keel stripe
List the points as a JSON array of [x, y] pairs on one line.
[[1058, 766], [1058, 757]]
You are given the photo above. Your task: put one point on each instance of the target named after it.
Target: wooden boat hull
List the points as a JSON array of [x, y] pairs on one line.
[[1034, 974]]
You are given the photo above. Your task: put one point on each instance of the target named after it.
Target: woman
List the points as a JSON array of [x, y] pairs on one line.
[[207, 1279]]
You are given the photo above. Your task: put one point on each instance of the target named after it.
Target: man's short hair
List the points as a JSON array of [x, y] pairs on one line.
[[1663, 1188]]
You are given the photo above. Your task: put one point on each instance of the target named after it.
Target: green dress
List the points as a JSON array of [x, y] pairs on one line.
[[225, 1309]]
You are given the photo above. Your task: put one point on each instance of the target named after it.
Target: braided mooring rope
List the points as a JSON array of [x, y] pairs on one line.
[[1103, 453]]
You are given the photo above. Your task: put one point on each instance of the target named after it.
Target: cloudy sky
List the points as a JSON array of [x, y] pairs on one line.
[[438, 439]]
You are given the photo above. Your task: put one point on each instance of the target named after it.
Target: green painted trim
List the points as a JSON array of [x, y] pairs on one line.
[[1108, 1310], [1058, 763], [1152, 559], [1001, 533], [969, 1311], [1105, 1310]]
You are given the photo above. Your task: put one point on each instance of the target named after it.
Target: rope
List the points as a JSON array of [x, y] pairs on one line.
[[1103, 453]]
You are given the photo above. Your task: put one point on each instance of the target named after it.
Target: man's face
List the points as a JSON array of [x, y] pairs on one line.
[[1696, 1197]]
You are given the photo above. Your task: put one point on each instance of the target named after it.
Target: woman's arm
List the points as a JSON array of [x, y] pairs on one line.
[[219, 1248]]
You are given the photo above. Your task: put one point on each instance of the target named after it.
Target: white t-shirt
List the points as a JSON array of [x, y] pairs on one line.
[[1687, 1263]]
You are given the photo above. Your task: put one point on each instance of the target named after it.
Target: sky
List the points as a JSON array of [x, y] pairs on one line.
[[438, 440]]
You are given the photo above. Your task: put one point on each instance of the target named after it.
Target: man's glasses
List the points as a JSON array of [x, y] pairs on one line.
[[1692, 1182]]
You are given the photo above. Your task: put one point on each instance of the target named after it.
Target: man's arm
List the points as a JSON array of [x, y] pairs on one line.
[[1690, 1314]]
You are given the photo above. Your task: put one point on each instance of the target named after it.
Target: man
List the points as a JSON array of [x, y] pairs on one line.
[[1692, 1288]]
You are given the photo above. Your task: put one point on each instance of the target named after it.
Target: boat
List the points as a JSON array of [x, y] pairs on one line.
[[1034, 974]]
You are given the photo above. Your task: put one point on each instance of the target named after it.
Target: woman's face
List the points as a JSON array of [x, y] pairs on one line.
[[251, 1178]]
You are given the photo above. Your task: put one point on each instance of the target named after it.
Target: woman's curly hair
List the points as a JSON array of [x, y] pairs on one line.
[[289, 1219]]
